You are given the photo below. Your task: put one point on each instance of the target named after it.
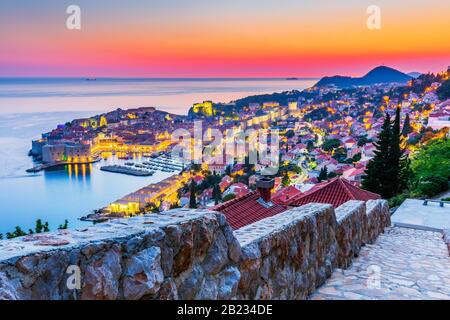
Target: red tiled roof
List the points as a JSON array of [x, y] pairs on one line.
[[284, 196], [334, 192], [246, 210]]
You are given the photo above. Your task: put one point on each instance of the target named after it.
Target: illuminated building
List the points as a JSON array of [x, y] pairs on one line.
[[67, 152], [205, 108], [292, 105], [153, 194]]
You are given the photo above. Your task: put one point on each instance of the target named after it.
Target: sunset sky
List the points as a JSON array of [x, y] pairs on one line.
[[211, 38]]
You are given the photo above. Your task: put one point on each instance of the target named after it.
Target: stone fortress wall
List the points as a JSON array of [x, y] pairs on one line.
[[191, 254]]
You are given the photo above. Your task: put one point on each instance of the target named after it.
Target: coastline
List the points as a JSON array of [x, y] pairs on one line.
[[69, 192]]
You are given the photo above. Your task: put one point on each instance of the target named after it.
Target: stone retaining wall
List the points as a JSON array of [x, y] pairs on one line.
[[288, 255], [191, 254], [351, 232], [446, 237]]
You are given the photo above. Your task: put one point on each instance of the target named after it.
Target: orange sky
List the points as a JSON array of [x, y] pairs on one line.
[[178, 38]]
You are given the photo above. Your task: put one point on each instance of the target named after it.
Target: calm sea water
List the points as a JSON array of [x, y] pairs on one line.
[[29, 107]]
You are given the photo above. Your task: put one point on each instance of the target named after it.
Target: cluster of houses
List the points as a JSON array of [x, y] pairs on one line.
[[350, 119]]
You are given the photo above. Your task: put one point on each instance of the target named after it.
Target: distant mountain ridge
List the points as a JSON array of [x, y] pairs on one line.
[[414, 74], [379, 74]]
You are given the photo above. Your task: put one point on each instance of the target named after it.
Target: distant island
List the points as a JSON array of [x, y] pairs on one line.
[[379, 74]]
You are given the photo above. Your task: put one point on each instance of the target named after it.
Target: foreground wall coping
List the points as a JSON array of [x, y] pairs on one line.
[[109, 231]]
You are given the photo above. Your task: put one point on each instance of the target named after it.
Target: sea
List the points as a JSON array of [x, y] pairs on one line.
[[32, 106]]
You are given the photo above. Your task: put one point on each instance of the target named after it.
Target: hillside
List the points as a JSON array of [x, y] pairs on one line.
[[380, 74]]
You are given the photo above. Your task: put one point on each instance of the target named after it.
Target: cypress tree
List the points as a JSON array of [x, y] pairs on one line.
[[39, 226], [217, 194], [192, 197], [406, 126], [377, 175], [323, 175], [395, 154]]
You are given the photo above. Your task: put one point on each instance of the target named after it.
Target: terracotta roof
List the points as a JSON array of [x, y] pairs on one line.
[[283, 196], [334, 192], [246, 210]]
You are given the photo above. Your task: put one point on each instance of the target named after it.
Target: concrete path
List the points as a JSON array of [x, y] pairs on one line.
[[402, 264]]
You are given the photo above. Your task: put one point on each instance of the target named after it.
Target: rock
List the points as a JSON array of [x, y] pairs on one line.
[[50, 273], [143, 274], [228, 284], [168, 290], [153, 237], [184, 257], [229, 235], [222, 220], [191, 283], [203, 236], [101, 279], [249, 265], [234, 250], [208, 289], [173, 234], [27, 264], [216, 256], [133, 244], [8, 288], [167, 260]]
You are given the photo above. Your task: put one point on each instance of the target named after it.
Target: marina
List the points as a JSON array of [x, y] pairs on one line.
[[148, 167], [127, 170]]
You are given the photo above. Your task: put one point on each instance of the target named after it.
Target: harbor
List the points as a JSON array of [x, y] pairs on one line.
[[146, 168]]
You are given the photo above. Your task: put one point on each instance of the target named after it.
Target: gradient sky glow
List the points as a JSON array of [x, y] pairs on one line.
[[211, 38]]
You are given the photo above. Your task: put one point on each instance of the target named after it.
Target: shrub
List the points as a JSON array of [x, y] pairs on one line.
[[398, 200], [431, 186], [229, 197]]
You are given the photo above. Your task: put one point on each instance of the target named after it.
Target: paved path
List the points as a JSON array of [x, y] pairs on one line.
[[445, 194], [402, 264]]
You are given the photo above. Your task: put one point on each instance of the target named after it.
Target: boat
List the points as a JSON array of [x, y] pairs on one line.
[[292, 78]]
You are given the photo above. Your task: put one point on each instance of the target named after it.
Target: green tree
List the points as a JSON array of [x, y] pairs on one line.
[[406, 126], [406, 173], [290, 133], [362, 141], [395, 154], [285, 181], [217, 194], [39, 226], [377, 177], [192, 196], [331, 144], [323, 175], [433, 160], [431, 186], [196, 167], [64, 226], [443, 91]]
